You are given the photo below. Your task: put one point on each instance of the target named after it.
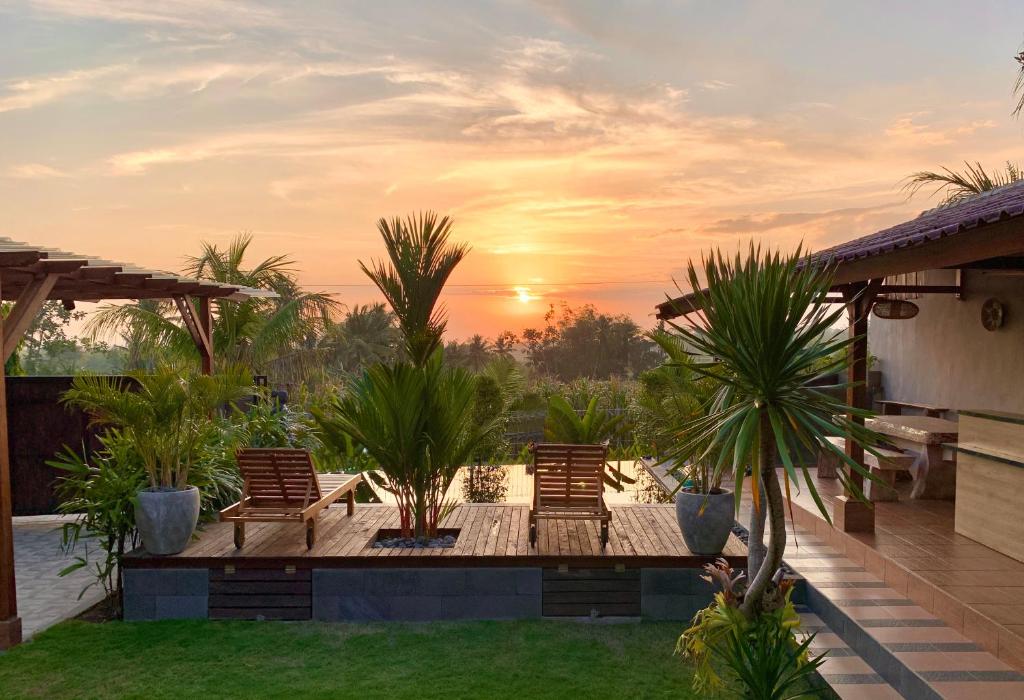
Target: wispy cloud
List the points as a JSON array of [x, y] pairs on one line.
[[27, 93], [34, 171], [715, 85], [182, 13]]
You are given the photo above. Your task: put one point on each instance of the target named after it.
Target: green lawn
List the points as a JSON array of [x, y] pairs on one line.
[[191, 659]]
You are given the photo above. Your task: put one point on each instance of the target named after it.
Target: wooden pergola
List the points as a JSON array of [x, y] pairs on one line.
[[29, 276], [982, 233]]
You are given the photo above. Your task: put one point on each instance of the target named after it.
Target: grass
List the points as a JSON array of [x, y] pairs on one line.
[[534, 659]]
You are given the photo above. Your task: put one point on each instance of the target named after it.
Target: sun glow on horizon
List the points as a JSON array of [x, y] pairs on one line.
[[523, 295]]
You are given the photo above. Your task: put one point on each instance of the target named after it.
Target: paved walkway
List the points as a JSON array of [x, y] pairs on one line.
[[44, 598]]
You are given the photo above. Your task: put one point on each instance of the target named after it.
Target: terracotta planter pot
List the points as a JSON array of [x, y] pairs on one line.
[[166, 518], [705, 532]]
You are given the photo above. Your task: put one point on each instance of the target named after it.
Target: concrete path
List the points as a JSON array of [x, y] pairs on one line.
[[44, 598]]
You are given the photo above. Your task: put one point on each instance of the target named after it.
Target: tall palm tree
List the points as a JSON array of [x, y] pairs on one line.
[[420, 262], [278, 334], [960, 185], [478, 352], [770, 336], [415, 417], [1018, 87], [366, 335]]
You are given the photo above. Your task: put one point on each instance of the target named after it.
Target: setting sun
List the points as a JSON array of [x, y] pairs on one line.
[[523, 295]]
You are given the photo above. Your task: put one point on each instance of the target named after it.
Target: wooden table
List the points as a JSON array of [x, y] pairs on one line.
[[926, 435]]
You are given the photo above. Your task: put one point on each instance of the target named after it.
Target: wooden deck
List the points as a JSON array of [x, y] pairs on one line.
[[490, 535]]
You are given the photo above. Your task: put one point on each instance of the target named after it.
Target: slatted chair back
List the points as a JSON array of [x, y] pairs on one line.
[[278, 476], [569, 477]]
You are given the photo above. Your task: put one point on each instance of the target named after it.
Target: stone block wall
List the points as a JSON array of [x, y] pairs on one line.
[[166, 594], [426, 594], [673, 594]]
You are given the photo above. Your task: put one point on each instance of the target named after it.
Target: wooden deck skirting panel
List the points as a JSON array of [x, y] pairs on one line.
[[491, 535]]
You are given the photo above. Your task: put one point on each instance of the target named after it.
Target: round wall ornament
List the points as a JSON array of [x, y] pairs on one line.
[[993, 314]]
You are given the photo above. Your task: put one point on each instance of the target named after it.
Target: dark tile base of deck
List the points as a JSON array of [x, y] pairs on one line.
[[492, 572], [413, 594]]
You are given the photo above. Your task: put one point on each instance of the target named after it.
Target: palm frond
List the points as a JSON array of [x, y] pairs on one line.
[[420, 263], [960, 185]]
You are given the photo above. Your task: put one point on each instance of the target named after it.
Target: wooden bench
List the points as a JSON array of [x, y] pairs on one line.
[[884, 469], [891, 407]]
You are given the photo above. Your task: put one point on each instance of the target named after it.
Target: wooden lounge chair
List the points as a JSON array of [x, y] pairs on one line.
[[568, 484], [281, 485]]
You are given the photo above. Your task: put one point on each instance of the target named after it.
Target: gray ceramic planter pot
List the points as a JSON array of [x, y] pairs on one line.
[[707, 532], [166, 518]]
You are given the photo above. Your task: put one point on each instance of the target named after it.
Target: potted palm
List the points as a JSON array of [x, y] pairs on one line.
[[674, 395], [165, 417]]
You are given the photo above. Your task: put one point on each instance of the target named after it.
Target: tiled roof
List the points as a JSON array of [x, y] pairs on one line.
[[1007, 202]]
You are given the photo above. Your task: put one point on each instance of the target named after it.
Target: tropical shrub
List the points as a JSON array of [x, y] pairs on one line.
[[99, 489], [763, 652], [273, 334], [417, 425], [595, 426], [165, 415]]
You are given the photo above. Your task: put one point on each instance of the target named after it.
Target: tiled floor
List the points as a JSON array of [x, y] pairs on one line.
[[882, 642], [44, 598], [848, 674], [914, 548]]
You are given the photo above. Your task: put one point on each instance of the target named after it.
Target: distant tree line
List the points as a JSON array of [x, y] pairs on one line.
[[573, 343]]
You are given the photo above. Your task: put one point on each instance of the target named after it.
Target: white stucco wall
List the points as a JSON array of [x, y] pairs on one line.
[[945, 357]]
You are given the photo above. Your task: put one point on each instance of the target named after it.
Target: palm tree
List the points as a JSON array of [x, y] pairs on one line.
[[478, 352], [416, 418], [263, 334], [960, 185], [421, 260], [1018, 87], [770, 336], [366, 335]]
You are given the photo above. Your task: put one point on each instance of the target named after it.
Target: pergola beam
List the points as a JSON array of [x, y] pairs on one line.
[[199, 323], [26, 308]]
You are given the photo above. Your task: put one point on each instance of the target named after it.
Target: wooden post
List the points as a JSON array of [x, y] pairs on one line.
[[849, 513], [206, 325], [10, 623], [199, 323]]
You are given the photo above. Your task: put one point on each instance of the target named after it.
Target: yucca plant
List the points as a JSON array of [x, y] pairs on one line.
[[771, 338]]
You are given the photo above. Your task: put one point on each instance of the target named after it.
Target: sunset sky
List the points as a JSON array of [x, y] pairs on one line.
[[585, 150]]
